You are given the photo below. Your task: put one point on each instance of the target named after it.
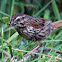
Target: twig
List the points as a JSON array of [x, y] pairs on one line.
[[5, 41], [6, 53], [34, 53], [50, 48], [39, 49]]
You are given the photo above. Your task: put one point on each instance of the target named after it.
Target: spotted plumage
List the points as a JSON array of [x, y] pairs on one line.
[[31, 28]]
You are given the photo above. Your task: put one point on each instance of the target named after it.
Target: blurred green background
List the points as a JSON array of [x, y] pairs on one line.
[[47, 9]]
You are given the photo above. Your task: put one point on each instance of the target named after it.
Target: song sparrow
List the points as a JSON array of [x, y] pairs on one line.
[[32, 28]]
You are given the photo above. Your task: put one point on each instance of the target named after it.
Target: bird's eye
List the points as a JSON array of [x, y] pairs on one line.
[[18, 20]]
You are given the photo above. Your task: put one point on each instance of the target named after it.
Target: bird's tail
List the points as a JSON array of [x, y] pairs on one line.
[[57, 24]]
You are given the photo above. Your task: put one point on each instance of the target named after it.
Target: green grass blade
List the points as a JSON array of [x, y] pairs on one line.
[[4, 14], [4, 27], [22, 7], [10, 47], [55, 10], [42, 9], [39, 58], [47, 14], [58, 35], [9, 6], [12, 37], [57, 48], [12, 7], [34, 60], [2, 44], [3, 5], [51, 41]]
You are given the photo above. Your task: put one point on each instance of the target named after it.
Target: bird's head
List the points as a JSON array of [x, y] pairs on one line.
[[17, 20]]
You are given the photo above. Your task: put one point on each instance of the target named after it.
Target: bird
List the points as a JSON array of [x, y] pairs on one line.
[[33, 28]]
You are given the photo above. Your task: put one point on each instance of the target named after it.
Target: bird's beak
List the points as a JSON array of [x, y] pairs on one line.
[[11, 23]]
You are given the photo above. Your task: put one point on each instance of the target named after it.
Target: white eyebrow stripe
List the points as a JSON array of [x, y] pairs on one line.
[[19, 17]]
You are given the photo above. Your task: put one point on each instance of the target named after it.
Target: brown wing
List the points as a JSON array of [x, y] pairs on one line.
[[39, 22], [38, 28]]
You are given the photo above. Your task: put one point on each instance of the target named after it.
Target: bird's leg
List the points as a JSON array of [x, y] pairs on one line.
[[33, 49], [28, 54]]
